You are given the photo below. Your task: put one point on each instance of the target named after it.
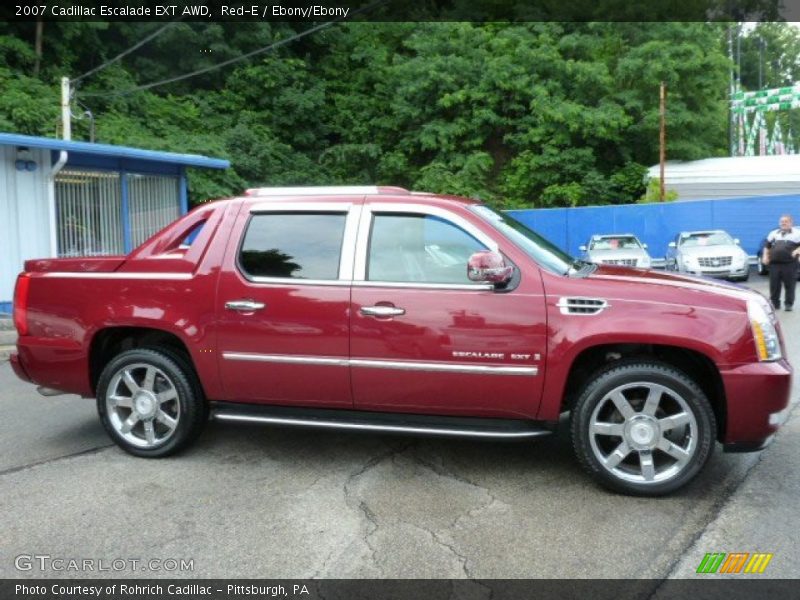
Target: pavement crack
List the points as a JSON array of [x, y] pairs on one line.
[[46, 461], [440, 469], [460, 557], [360, 504]]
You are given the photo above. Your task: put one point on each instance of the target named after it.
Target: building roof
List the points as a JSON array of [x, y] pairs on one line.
[[785, 167], [110, 150], [735, 176]]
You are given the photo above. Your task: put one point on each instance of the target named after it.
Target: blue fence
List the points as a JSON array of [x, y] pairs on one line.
[[749, 219]]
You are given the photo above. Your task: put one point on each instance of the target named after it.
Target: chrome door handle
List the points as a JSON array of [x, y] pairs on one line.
[[244, 305], [382, 311]]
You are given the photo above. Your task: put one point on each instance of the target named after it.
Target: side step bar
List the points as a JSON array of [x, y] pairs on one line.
[[470, 427]]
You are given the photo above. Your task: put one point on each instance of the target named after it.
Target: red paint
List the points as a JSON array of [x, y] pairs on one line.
[[163, 285], [21, 304]]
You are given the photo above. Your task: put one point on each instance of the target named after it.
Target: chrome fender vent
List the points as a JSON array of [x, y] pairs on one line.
[[582, 306]]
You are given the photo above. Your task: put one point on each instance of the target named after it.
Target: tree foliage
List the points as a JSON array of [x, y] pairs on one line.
[[524, 114]]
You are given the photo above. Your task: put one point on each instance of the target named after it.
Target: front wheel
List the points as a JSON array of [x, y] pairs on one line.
[[149, 402], [643, 428]]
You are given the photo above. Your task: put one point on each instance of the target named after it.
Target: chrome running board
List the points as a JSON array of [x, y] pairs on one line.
[[499, 429]]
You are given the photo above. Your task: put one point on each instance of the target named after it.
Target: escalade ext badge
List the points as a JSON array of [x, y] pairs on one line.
[[470, 354]]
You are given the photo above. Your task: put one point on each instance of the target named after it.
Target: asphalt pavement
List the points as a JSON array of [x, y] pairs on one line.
[[250, 501]]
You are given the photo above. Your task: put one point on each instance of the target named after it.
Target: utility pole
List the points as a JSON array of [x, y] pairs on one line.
[[662, 140], [732, 91], [66, 115], [38, 46]]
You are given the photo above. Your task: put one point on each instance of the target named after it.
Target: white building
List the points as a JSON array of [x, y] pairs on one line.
[[733, 177], [63, 198]]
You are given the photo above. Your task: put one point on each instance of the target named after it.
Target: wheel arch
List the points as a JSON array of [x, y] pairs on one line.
[[695, 364], [111, 341]]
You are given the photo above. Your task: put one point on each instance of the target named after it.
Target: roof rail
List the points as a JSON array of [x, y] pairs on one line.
[[326, 190]]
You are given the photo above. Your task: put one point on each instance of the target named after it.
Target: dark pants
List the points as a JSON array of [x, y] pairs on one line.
[[782, 274]]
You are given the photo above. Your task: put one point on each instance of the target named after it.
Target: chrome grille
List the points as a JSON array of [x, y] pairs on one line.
[[714, 261]]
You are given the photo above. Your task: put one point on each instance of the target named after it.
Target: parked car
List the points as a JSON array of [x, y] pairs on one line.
[[345, 308], [761, 268], [712, 253], [617, 249]]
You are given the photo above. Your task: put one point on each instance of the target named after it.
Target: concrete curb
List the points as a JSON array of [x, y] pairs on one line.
[[5, 352]]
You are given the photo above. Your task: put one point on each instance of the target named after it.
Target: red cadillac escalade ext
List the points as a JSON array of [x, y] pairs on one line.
[[383, 310]]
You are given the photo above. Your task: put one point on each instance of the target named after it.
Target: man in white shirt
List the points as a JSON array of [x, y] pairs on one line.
[[780, 253]]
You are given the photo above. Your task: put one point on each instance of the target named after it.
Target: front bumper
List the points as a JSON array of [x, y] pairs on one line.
[[719, 272], [758, 397]]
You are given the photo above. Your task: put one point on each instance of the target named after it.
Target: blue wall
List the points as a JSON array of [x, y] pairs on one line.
[[749, 219]]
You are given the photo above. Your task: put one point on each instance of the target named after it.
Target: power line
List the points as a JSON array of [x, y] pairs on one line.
[[231, 61], [126, 52]]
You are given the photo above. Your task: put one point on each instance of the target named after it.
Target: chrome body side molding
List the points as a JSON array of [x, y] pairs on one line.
[[404, 365]]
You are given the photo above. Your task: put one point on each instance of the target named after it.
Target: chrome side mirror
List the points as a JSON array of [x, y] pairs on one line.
[[489, 267], [736, 241], [672, 245]]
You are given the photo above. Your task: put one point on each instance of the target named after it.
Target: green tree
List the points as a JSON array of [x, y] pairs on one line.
[[517, 114]]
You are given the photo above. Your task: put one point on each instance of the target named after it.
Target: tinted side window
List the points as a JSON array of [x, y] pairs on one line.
[[299, 245], [419, 248], [190, 237]]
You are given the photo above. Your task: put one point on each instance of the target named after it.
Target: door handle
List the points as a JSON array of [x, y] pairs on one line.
[[382, 311], [244, 305]]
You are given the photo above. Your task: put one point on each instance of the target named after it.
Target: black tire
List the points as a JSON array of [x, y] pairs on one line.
[[693, 441], [186, 411], [185, 363]]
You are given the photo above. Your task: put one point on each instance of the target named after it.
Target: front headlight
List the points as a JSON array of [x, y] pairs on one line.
[[645, 262], [687, 261], [740, 260], [765, 335]]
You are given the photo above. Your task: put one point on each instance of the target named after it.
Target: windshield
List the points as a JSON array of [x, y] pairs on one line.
[[625, 242], [708, 238], [545, 253]]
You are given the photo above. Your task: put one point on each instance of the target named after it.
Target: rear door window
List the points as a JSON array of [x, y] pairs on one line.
[[299, 245]]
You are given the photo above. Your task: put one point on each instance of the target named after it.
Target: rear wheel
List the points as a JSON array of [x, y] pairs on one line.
[[643, 428], [150, 402]]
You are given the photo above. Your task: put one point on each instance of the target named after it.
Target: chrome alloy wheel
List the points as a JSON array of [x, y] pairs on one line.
[[142, 405], [643, 433]]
